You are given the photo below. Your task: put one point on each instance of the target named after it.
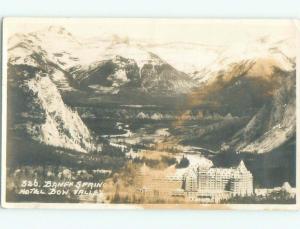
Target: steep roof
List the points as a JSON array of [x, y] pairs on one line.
[[241, 167]]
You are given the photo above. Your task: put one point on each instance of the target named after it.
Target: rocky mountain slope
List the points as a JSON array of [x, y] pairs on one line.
[[256, 81], [37, 107], [268, 102], [274, 123]]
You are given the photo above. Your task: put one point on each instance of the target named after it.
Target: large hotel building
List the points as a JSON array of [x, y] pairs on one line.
[[196, 183]]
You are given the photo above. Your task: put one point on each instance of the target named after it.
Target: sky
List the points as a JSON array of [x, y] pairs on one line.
[[216, 32]]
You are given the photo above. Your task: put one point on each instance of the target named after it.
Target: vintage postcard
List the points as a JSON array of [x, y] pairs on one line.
[[149, 113]]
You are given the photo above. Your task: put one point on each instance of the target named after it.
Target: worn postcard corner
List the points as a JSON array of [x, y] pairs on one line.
[[150, 113]]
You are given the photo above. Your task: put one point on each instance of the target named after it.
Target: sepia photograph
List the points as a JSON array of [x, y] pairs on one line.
[[149, 113]]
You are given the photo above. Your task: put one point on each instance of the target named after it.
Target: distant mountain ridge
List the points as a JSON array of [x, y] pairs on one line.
[[113, 62]]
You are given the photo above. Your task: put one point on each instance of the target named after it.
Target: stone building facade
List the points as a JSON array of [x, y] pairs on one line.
[[239, 180], [197, 183]]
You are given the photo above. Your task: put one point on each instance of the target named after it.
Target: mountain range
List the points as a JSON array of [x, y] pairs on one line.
[[254, 79]]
